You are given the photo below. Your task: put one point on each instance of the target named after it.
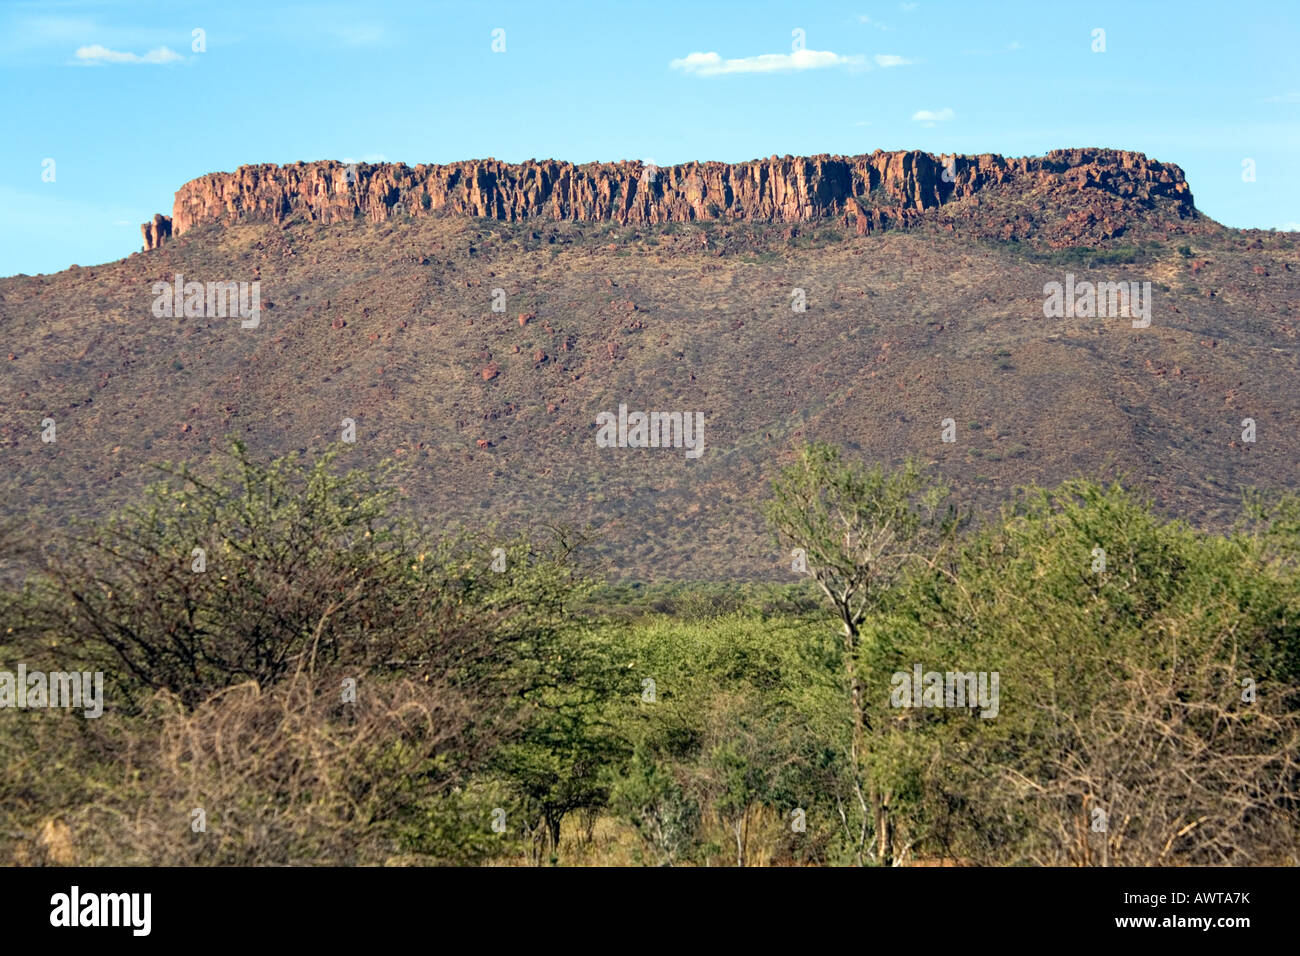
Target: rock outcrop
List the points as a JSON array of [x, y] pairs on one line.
[[156, 232], [1101, 189]]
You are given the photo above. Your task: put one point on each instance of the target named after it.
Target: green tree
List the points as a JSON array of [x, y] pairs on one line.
[[1148, 689], [245, 597], [858, 529]]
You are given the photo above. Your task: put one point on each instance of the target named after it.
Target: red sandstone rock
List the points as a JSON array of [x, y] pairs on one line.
[[156, 231], [873, 191]]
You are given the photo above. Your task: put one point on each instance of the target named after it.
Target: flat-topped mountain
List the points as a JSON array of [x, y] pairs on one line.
[[473, 322], [1103, 191]]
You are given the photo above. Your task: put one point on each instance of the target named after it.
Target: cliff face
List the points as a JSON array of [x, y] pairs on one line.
[[871, 192], [156, 231]]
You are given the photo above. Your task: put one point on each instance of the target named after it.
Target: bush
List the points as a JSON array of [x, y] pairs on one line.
[[224, 677], [1155, 698]]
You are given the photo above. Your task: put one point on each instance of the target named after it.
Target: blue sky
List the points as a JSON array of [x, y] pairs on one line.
[[116, 95]]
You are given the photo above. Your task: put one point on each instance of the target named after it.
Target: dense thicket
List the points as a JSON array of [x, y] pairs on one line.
[[323, 680]]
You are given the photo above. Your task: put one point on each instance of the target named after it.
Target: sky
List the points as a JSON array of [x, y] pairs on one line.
[[110, 106]]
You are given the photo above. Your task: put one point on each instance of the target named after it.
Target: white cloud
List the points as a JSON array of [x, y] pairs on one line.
[[909, 7], [934, 116], [886, 60], [1291, 97], [365, 158], [711, 64], [52, 38], [102, 54], [1289, 227]]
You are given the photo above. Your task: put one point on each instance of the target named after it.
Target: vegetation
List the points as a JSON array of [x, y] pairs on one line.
[[1089, 257], [390, 324], [335, 683]]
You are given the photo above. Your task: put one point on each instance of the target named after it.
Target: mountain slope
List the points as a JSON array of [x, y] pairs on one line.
[[932, 310]]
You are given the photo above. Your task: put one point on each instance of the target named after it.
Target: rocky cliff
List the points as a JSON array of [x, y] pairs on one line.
[[156, 231], [1076, 193]]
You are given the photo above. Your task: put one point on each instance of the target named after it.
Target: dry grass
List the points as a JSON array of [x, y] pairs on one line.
[[279, 776]]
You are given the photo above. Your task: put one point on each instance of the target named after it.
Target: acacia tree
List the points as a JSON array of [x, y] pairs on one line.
[[246, 573], [857, 530], [236, 594]]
